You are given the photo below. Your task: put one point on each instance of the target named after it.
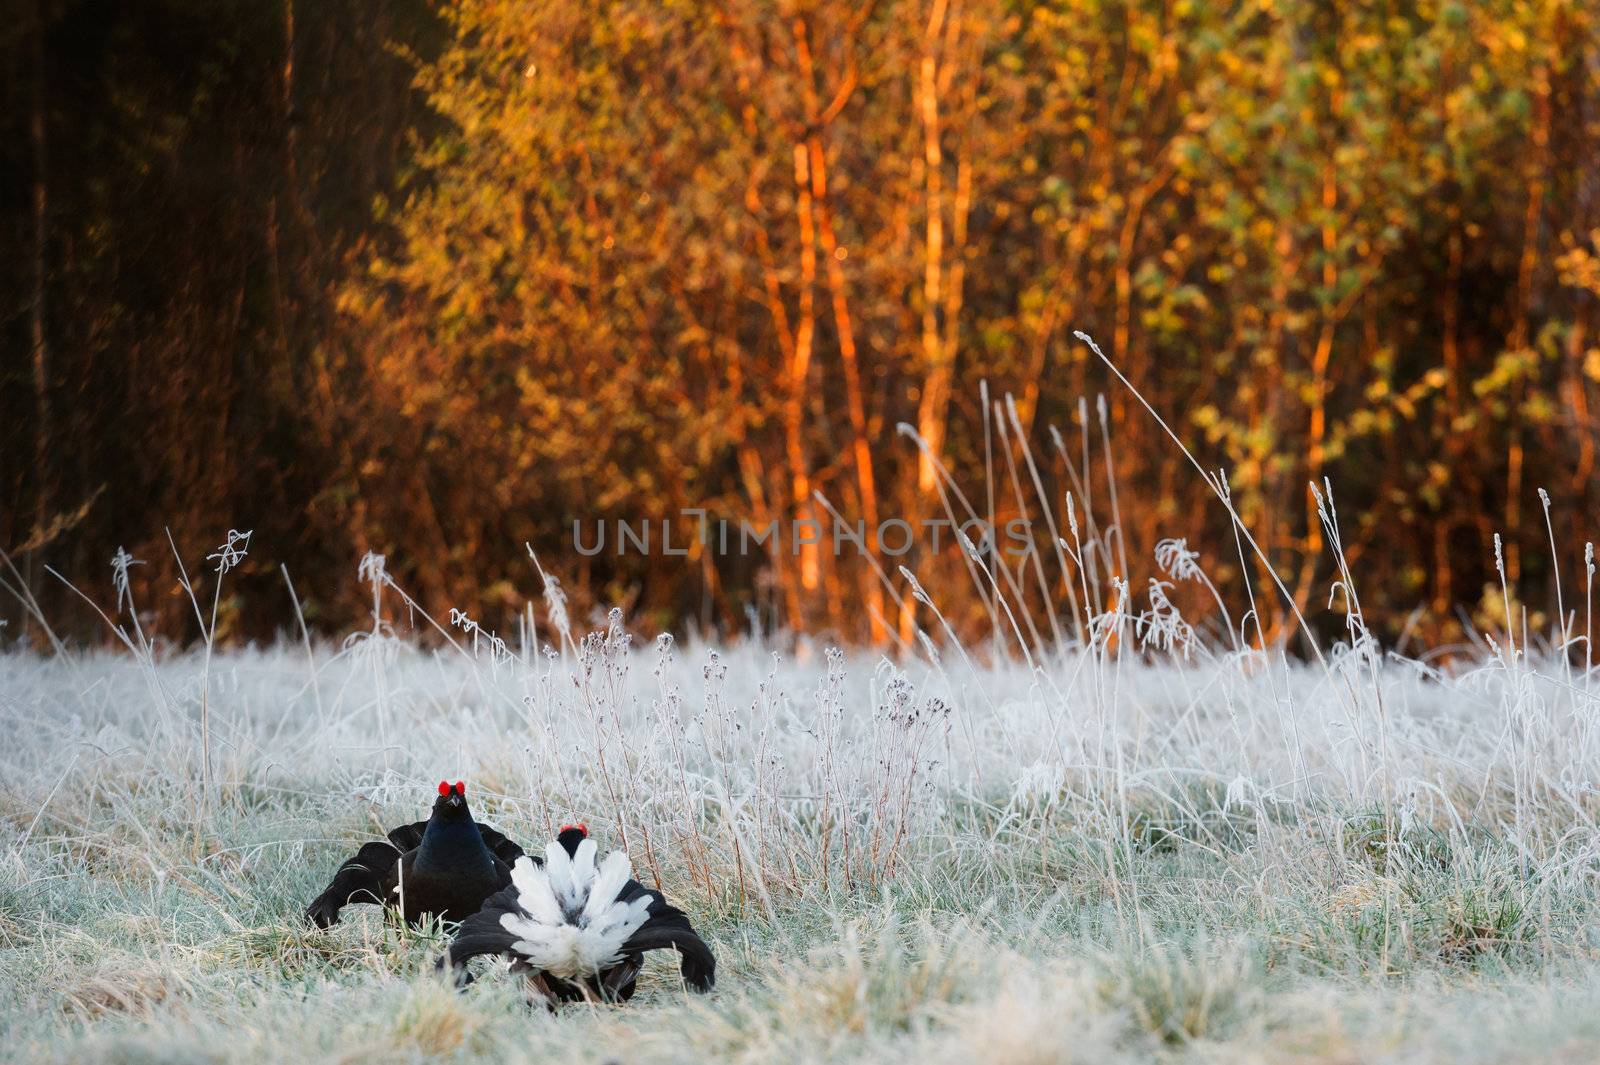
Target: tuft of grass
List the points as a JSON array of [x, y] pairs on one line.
[[1384, 843], [1179, 989], [119, 985], [1198, 815], [434, 1020]]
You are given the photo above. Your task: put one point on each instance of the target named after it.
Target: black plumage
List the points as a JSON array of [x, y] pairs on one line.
[[444, 867]]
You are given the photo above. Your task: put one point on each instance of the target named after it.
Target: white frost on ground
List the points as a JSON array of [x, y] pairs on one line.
[[1226, 858]]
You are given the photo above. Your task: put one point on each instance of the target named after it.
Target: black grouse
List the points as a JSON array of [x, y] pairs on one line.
[[444, 867], [579, 930]]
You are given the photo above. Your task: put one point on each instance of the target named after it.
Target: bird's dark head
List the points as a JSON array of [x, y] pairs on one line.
[[452, 801], [572, 835]]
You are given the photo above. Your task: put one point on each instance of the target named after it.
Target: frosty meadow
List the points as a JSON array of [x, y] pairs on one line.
[[1163, 842]]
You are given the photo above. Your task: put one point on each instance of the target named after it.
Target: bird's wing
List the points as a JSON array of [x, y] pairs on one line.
[[366, 878], [502, 873], [501, 847], [483, 934], [668, 926], [408, 837]]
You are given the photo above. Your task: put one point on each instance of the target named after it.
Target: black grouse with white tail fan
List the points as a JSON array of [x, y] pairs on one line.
[[580, 929], [444, 867]]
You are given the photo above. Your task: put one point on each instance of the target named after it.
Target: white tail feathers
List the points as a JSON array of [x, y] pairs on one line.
[[572, 924], [570, 877]]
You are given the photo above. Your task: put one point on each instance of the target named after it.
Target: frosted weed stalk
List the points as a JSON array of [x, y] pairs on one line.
[[227, 555]]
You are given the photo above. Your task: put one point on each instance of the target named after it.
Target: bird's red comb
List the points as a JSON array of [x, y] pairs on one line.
[[461, 789], [580, 826], [444, 787]]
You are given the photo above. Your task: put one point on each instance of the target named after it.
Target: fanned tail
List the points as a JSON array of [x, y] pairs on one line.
[[585, 926], [567, 919], [570, 875]]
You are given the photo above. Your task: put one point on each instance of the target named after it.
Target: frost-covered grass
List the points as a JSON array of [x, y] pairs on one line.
[[1115, 855]]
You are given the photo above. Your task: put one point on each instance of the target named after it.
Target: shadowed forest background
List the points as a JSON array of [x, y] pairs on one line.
[[434, 280]]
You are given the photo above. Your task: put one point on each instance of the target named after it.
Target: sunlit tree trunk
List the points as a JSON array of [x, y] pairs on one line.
[[798, 377], [769, 507], [860, 446], [937, 377], [818, 117]]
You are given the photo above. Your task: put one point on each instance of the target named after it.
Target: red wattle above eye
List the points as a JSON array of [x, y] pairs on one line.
[[461, 789], [444, 788]]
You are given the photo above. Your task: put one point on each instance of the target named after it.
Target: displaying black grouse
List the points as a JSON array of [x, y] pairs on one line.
[[578, 930], [444, 867]]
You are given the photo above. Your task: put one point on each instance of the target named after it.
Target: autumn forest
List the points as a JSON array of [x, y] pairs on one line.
[[437, 281]]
